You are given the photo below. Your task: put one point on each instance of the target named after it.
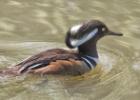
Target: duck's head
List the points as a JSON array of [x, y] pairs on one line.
[[87, 32]]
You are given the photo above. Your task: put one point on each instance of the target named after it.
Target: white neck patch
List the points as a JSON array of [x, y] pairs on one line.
[[75, 29], [75, 42]]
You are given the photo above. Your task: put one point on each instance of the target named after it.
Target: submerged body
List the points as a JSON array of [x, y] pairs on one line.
[[84, 37]]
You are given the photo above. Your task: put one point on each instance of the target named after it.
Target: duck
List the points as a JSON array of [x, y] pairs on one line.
[[81, 57]]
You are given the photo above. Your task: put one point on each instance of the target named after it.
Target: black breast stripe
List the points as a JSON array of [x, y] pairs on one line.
[[89, 61]]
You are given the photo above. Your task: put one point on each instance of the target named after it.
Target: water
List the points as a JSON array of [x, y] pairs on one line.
[[30, 26]]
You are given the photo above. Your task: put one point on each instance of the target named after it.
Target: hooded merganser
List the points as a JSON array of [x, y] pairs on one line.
[[59, 61]]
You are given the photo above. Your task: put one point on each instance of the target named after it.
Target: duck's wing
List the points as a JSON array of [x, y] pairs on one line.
[[44, 59], [65, 67]]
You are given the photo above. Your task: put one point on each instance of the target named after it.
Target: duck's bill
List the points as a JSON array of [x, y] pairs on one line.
[[115, 33]]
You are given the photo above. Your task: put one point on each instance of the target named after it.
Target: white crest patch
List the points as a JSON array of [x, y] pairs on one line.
[[85, 38], [75, 29], [74, 42]]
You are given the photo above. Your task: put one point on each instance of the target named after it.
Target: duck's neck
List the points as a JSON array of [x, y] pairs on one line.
[[89, 49]]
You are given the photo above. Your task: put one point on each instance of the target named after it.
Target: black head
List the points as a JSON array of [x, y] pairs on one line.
[[88, 31]]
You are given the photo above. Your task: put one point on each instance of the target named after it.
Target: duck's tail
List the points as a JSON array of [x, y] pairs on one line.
[[9, 71]]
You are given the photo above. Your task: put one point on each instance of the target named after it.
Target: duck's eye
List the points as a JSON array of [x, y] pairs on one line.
[[103, 29]]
